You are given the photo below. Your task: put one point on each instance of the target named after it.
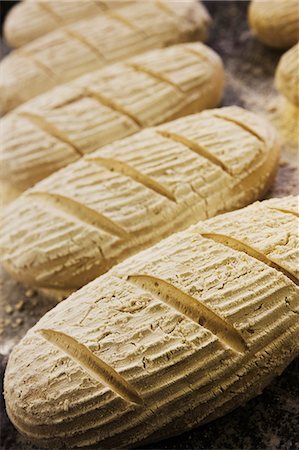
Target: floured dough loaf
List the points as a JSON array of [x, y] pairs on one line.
[[171, 338], [29, 20], [275, 22], [287, 75], [71, 120], [90, 44], [85, 218]]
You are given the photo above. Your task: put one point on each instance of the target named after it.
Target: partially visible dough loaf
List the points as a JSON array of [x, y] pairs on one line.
[[85, 218], [90, 44], [287, 75], [275, 22], [71, 120], [29, 20], [171, 338]]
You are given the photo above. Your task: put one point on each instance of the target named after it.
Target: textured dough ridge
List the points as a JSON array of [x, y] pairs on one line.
[[82, 220], [180, 370], [92, 43], [45, 16], [58, 127]]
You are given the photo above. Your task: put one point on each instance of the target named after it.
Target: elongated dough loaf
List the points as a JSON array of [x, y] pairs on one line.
[[69, 121], [173, 337], [90, 44], [31, 19], [275, 22], [77, 223], [287, 75]]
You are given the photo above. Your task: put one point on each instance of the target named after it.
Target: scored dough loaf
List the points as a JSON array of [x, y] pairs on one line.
[[275, 22], [85, 218], [171, 338], [287, 75], [58, 127], [31, 19], [90, 44]]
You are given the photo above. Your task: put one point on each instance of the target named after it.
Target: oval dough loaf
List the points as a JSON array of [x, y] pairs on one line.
[[90, 44], [173, 337], [287, 75], [69, 121], [275, 22], [77, 223], [31, 19]]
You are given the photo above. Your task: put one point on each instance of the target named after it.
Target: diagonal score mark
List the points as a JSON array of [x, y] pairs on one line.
[[70, 101], [235, 244], [49, 128], [34, 58], [200, 55], [46, 6], [122, 19], [240, 124], [80, 38], [112, 104], [192, 308], [166, 8], [129, 171], [200, 150], [88, 361], [152, 73], [73, 209], [284, 211]]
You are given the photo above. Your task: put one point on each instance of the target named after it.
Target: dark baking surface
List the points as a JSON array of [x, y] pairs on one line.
[[270, 421]]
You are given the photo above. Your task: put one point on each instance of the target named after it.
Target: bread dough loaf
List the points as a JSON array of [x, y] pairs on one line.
[[62, 125], [173, 337], [275, 22], [287, 75], [90, 44], [30, 20], [85, 218]]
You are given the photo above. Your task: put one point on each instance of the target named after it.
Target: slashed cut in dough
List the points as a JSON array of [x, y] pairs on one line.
[[90, 44], [58, 127], [171, 338], [82, 220]]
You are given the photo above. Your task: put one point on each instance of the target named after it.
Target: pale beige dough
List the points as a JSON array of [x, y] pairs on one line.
[[58, 127], [90, 44], [275, 22], [287, 75], [171, 338], [85, 218], [31, 19]]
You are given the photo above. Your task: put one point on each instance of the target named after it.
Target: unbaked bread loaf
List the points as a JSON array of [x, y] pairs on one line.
[[90, 44], [85, 218], [287, 75], [29, 20], [275, 22], [173, 337], [60, 126]]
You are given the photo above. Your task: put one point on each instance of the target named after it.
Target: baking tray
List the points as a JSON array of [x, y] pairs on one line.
[[270, 420]]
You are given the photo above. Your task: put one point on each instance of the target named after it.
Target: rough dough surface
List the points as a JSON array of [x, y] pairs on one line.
[[173, 337], [58, 127], [270, 418], [80, 48], [80, 221]]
